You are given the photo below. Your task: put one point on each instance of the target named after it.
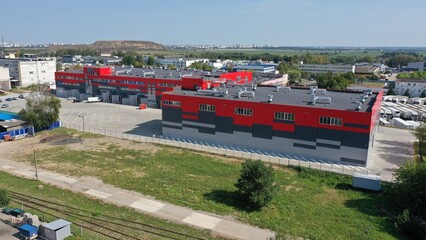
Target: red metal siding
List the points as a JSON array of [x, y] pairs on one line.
[[263, 113]]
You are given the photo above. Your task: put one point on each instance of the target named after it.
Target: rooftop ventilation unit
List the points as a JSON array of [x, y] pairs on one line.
[[320, 91], [212, 92], [253, 87], [317, 99], [245, 93], [148, 73], [270, 96]]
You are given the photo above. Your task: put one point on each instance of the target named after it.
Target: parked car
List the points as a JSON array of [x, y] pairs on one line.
[[9, 99], [5, 106], [1, 100], [21, 96], [76, 100], [71, 98], [14, 98]]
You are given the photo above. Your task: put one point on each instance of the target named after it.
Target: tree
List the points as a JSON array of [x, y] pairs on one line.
[[423, 95], [256, 184], [409, 188], [391, 90], [41, 110], [150, 60], [4, 198], [420, 134], [407, 92]]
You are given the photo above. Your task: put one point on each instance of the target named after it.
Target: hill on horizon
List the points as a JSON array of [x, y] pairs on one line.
[[112, 45]]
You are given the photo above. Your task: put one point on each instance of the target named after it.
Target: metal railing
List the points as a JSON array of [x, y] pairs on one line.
[[233, 151]]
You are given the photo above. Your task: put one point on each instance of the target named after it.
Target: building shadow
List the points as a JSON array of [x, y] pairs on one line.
[[229, 198], [147, 129]]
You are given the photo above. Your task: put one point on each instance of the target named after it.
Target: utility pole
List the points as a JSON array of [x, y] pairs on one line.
[[35, 164]]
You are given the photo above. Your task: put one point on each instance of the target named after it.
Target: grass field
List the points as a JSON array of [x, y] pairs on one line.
[[97, 207], [370, 84], [312, 204]]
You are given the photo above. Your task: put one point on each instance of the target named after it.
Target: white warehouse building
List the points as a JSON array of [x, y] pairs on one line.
[[27, 71], [321, 68], [414, 86]]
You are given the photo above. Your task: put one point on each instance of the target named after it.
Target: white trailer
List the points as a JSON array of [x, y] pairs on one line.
[[93, 99]]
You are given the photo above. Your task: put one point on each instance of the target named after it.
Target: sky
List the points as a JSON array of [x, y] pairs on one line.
[[368, 23]]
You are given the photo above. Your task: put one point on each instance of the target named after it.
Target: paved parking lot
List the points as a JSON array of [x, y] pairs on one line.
[[108, 116], [391, 148]]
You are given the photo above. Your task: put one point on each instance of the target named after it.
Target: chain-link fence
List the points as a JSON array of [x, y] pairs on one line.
[[231, 151]]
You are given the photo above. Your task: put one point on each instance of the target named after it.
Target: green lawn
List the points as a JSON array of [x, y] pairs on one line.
[[311, 204], [97, 207]]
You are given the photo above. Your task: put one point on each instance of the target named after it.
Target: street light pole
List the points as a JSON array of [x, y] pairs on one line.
[[82, 116]]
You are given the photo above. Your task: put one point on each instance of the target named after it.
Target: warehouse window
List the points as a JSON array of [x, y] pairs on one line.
[[284, 116], [244, 111], [207, 108], [172, 103], [331, 121]]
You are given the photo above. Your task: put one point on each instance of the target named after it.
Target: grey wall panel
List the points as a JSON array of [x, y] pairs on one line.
[[172, 114], [206, 130], [133, 100], [224, 124], [305, 133], [326, 145], [196, 123], [329, 134], [276, 144], [262, 131], [105, 97], [207, 117], [246, 129], [355, 125], [115, 99], [125, 101], [354, 139], [299, 145], [283, 134]]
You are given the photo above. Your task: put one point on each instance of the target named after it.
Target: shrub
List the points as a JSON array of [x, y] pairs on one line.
[[4, 198], [256, 184]]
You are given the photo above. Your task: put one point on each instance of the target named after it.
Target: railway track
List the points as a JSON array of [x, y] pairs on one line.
[[108, 226]]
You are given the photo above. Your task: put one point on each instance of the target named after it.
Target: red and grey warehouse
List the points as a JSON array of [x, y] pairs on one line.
[[316, 123], [134, 86]]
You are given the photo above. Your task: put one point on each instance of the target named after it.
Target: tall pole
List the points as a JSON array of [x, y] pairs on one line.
[[83, 125], [35, 165]]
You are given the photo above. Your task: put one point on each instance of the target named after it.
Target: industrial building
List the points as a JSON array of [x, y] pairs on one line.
[[415, 86], [4, 78], [134, 86], [415, 66], [308, 122], [324, 68], [257, 67], [27, 71]]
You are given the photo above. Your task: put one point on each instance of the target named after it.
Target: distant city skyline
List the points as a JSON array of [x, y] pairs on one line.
[[363, 23]]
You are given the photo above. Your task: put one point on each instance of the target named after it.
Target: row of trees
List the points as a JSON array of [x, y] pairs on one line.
[[77, 51], [413, 75]]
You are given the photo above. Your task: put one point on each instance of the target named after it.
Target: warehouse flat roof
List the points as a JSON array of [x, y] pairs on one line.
[[157, 73], [340, 100]]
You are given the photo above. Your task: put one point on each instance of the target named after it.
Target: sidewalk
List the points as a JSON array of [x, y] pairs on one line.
[[141, 203]]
